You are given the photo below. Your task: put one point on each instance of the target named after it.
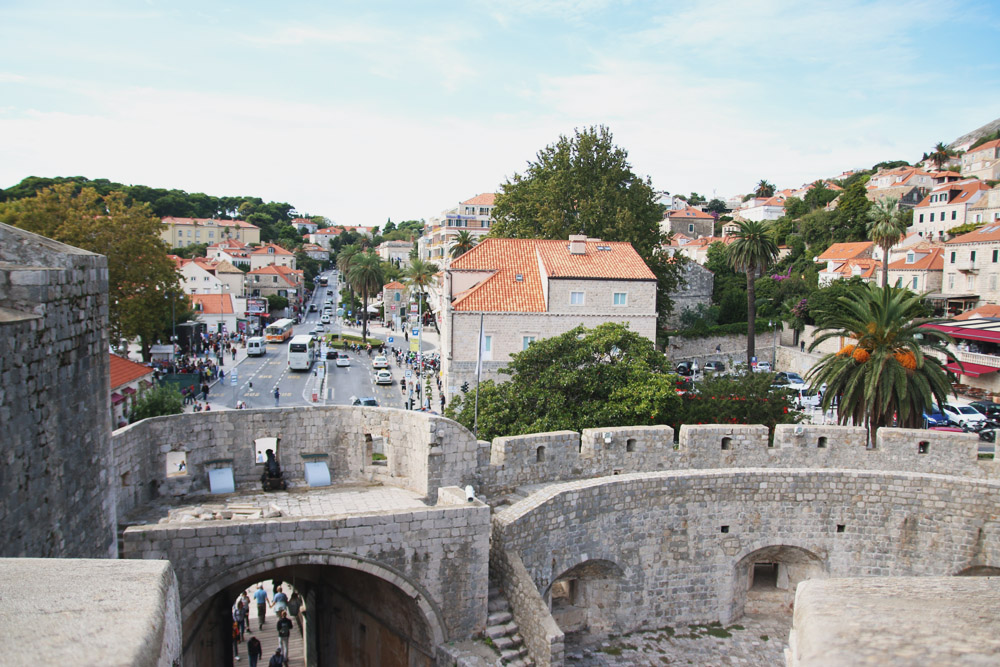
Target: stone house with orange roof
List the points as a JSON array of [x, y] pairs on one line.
[[688, 221], [945, 207], [987, 209], [128, 381], [218, 311], [921, 270], [982, 162], [271, 253], [395, 297], [474, 216], [845, 260], [274, 279], [972, 269], [529, 289], [180, 232]]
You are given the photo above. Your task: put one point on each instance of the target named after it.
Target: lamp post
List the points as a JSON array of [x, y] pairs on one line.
[[172, 295], [774, 346]]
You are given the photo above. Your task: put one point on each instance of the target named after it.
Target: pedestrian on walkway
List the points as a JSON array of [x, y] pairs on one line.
[[260, 595], [236, 640], [240, 616], [284, 629], [254, 650], [276, 660], [280, 601], [295, 608], [277, 396]]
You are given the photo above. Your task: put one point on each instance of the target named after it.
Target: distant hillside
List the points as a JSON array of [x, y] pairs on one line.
[[968, 139]]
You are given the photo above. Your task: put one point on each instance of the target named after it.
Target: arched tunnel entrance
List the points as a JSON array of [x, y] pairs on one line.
[[584, 597], [765, 579], [351, 616]]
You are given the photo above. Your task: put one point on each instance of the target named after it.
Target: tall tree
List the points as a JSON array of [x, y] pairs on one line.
[[884, 229], [752, 253], [345, 256], [764, 188], [941, 154], [584, 184], [463, 243], [367, 276], [128, 234], [419, 274], [884, 375]]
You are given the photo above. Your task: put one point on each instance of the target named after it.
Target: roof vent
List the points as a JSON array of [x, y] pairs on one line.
[[577, 244], [519, 277]]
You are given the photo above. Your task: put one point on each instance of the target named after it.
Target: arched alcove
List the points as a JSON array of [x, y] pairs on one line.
[[764, 580], [584, 597]]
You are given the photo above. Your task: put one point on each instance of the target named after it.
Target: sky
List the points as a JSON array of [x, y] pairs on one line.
[[367, 110]]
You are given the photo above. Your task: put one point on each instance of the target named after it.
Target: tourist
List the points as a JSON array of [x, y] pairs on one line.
[[236, 640], [295, 609], [284, 629], [254, 650], [276, 660], [277, 396], [260, 595], [280, 603]]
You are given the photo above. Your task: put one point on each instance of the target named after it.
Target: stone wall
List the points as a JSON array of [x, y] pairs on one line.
[[438, 553], [516, 461], [56, 497], [732, 349], [697, 289], [682, 541], [423, 452]]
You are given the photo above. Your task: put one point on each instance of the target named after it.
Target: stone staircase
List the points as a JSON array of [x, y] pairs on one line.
[[503, 631]]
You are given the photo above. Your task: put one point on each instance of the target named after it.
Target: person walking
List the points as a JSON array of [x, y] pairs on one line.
[[236, 641], [254, 650], [260, 595], [284, 629], [295, 609], [276, 660], [280, 601], [239, 615], [277, 396]]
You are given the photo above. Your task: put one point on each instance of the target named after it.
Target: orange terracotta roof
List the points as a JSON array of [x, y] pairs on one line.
[[965, 190], [844, 251], [177, 260], [485, 199], [989, 145], [933, 260], [213, 304], [124, 371], [989, 310], [867, 266], [277, 250], [688, 212], [988, 232], [395, 284], [208, 221], [504, 260]]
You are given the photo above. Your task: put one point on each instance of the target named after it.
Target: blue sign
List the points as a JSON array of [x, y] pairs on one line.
[[409, 373], [233, 381], [390, 339], [348, 312], [416, 331]]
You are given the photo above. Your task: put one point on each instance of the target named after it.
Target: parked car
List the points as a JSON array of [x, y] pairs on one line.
[[988, 408], [806, 398], [331, 353], [685, 368], [368, 401], [325, 319], [763, 367], [312, 307], [963, 414], [343, 359], [936, 418], [787, 378], [380, 362], [716, 367], [383, 376]]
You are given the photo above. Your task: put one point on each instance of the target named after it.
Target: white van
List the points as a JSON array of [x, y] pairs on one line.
[[256, 347]]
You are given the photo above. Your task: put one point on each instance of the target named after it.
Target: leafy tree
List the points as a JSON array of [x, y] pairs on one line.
[[139, 271], [764, 188], [746, 398], [463, 243], [276, 302], [885, 229], [795, 207], [884, 376], [696, 199], [157, 402], [419, 274], [367, 277], [190, 251], [851, 216], [584, 184], [345, 257], [940, 154], [890, 164], [584, 378], [717, 206], [752, 253], [819, 196]]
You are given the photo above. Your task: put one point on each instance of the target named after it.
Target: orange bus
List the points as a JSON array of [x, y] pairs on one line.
[[279, 331]]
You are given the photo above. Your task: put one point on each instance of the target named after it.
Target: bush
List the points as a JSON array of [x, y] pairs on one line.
[[157, 402], [734, 328]]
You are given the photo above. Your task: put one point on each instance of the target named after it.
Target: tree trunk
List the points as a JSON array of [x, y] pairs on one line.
[[364, 316], [751, 317]]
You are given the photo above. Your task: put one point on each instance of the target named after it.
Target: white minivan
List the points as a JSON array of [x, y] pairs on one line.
[[256, 347]]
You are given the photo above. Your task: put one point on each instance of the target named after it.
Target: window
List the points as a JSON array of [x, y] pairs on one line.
[[576, 298], [487, 348], [954, 214], [952, 257], [910, 257], [970, 281], [916, 282], [995, 253], [972, 256], [396, 296], [921, 217], [951, 281], [690, 229], [932, 217], [621, 299], [526, 341], [993, 281]]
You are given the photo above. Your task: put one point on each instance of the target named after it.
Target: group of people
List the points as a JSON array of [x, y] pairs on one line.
[[286, 608]]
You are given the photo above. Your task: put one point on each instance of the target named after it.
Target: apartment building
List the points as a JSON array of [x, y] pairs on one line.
[[180, 232], [945, 207], [983, 162], [473, 215]]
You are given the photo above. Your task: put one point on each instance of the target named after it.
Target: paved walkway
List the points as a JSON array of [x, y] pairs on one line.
[[268, 635]]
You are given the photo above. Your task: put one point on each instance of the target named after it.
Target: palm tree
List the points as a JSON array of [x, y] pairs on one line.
[[419, 274], [463, 243], [752, 253], [764, 189], [884, 229], [367, 275], [884, 375], [941, 154], [344, 259]]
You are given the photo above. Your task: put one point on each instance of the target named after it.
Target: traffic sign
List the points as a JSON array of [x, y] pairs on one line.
[[232, 381], [409, 373], [416, 331], [390, 339]]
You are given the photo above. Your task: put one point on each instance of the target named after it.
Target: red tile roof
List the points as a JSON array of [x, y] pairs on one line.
[[988, 232], [867, 266], [277, 250], [395, 284], [204, 221], [989, 145], [688, 212], [485, 199], [506, 259], [124, 371], [933, 260], [213, 304], [844, 251], [989, 310], [965, 190]]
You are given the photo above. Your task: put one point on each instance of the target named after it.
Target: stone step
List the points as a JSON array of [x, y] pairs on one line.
[[499, 617], [494, 593], [497, 604], [510, 655], [504, 643], [494, 631], [515, 636]]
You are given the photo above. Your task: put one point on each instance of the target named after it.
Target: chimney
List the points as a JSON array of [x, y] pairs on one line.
[[577, 244]]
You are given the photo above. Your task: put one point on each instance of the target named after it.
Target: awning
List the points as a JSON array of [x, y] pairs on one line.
[[972, 370], [128, 390], [116, 398], [967, 333]]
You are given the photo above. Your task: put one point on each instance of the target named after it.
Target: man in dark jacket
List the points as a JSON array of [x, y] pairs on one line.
[[254, 650], [276, 660], [284, 629]]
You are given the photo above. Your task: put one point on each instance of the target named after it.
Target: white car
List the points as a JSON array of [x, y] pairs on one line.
[[963, 414], [325, 319], [383, 377], [763, 367], [343, 359], [380, 362]]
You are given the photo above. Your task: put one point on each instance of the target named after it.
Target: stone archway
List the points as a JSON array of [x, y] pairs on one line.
[[764, 580], [979, 571], [361, 611], [584, 597]]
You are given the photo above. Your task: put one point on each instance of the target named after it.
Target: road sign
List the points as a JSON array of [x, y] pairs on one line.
[[392, 307], [416, 331], [232, 381], [390, 339], [409, 373]]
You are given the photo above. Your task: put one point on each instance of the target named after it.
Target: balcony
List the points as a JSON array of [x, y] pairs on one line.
[[967, 266], [990, 360]]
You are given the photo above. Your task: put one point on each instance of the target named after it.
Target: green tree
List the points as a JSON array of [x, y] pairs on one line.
[[276, 302], [367, 277], [885, 375], [157, 402], [584, 378], [139, 271], [850, 220], [418, 275], [345, 257], [795, 207], [584, 184], [940, 154], [717, 206], [764, 188], [752, 253], [463, 243], [819, 196], [746, 398], [884, 229]]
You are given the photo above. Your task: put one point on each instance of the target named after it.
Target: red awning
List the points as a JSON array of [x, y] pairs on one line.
[[128, 390], [967, 333], [972, 370], [116, 398]]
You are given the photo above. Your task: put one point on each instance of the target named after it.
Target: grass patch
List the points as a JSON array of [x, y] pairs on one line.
[[736, 627], [611, 650], [381, 457], [764, 638]]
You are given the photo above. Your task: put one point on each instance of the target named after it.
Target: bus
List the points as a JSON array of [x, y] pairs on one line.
[[324, 281], [279, 331], [301, 352]]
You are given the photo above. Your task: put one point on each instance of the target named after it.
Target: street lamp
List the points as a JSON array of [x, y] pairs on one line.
[[774, 346], [172, 295]]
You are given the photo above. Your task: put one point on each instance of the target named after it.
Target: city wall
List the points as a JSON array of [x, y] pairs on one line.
[[57, 493]]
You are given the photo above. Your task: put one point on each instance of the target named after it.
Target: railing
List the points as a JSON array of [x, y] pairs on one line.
[[979, 358]]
